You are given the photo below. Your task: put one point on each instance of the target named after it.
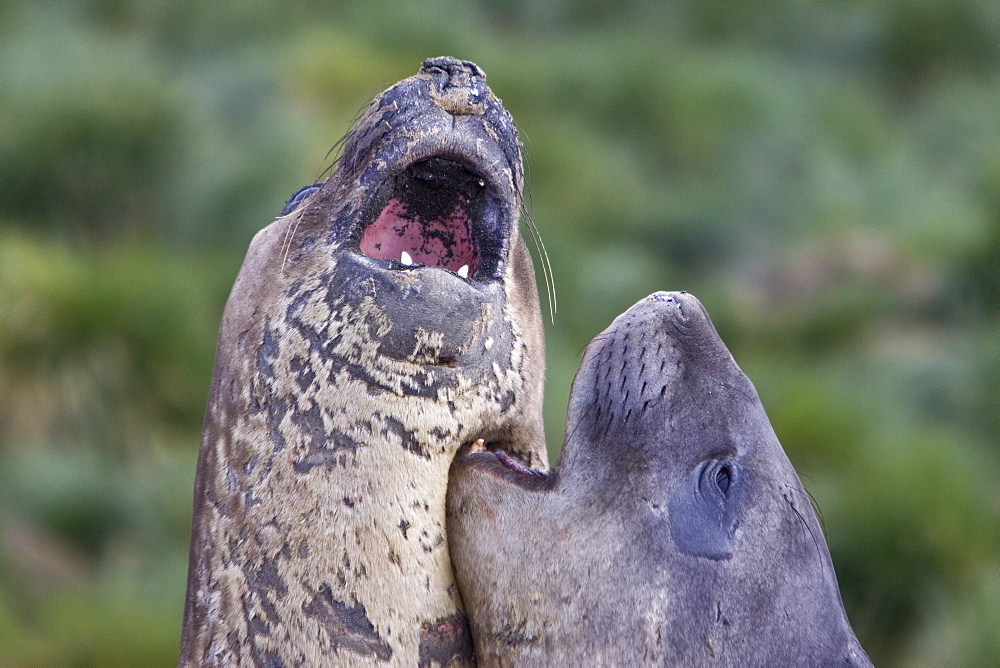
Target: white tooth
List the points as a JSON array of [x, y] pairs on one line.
[[405, 258], [464, 271]]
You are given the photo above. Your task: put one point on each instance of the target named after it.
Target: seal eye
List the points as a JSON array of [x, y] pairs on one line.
[[300, 195], [722, 479], [705, 512]]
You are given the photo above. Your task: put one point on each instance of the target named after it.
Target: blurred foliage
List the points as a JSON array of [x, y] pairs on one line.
[[824, 176]]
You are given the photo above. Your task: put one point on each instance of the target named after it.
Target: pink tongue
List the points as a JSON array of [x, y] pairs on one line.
[[440, 242]]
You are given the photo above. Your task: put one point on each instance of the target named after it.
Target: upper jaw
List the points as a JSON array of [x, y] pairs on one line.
[[445, 189], [441, 185]]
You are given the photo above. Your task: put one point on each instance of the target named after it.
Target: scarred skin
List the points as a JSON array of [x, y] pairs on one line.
[[673, 530], [345, 383]]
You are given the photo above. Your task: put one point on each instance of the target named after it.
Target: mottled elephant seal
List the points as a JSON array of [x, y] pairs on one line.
[[389, 317], [672, 531]]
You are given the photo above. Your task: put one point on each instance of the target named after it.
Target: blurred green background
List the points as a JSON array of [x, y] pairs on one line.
[[825, 177]]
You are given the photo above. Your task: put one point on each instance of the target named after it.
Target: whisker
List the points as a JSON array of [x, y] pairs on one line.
[[286, 243], [543, 256], [819, 550], [815, 505]]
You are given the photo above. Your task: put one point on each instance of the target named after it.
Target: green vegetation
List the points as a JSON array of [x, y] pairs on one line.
[[824, 176]]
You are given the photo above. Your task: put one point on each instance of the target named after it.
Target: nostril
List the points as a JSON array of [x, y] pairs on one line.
[[723, 479], [457, 86], [452, 68]]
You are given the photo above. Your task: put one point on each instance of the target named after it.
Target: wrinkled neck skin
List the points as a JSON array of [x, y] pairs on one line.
[[343, 386], [673, 529]]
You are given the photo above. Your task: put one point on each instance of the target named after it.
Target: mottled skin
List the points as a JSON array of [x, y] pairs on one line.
[[343, 386], [673, 530]]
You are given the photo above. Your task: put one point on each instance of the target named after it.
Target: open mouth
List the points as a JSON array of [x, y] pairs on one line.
[[505, 461], [438, 213]]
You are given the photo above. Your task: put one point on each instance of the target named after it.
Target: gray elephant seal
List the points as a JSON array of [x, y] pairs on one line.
[[672, 531], [388, 318]]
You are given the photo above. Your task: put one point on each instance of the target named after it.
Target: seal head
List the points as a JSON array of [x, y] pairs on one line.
[[389, 316], [673, 529]]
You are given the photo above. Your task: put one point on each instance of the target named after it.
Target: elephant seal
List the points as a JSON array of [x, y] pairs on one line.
[[388, 317], [673, 529]]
